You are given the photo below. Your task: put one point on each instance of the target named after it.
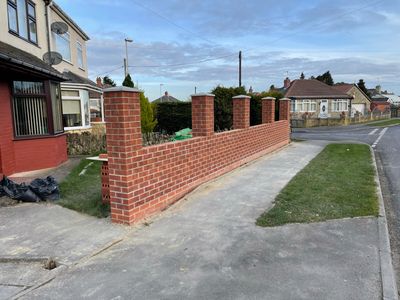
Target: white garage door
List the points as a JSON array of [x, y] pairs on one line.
[[359, 107]]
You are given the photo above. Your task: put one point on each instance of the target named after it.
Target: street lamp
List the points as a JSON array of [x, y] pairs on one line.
[[161, 84], [127, 40]]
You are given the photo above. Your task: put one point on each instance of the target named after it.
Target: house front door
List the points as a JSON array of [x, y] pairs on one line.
[[323, 113]]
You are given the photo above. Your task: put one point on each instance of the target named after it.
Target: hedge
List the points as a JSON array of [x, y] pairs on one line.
[[173, 116]]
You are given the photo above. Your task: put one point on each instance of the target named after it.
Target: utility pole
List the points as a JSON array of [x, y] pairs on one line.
[[240, 68], [195, 89]]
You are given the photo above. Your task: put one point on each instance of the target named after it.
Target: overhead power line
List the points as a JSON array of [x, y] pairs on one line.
[[324, 22], [172, 22]]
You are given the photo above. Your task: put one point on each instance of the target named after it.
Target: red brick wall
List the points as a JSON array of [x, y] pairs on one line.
[[27, 154], [147, 180], [380, 106]]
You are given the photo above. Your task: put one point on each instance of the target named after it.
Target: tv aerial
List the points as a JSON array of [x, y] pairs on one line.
[[52, 58], [59, 27]]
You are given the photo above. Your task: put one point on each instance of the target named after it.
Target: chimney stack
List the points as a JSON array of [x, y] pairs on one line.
[[98, 82], [286, 83]]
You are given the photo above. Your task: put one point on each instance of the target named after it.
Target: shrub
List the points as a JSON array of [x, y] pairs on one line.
[[146, 115]]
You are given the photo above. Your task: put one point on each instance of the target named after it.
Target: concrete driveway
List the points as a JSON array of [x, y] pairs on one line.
[[31, 233], [208, 247]]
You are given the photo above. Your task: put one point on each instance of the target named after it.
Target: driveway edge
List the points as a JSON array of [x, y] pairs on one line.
[[389, 287]]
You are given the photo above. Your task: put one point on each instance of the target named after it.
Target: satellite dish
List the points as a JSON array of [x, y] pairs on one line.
[[59, 27], [52, 58]]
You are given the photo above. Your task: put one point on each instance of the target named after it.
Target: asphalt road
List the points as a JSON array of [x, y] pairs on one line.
[[386, 144]]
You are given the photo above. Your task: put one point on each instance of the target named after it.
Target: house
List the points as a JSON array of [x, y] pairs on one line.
[[315, 99], [360, 103], [166, 98], [381, 101], [33, 93], [79, 94]]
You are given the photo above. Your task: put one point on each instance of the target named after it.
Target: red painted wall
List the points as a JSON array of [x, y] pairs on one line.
[[27, 154]]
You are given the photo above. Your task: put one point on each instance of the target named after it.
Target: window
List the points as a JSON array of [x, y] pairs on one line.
[[80, 55], [22, 19], [62, 42], [305, 106], [292, 105], [71, 104], [339, 105], [36, 108]]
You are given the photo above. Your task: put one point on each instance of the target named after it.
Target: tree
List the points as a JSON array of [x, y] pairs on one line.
[[361, 85], [326, 78], [108, 81], [128, 81], [302, 75], [146, 114], [272, 87]]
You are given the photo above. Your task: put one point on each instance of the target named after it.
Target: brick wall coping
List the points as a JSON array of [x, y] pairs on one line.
[[122, 89], [268, 98], [285, 99], [241, 97], [202, 95]]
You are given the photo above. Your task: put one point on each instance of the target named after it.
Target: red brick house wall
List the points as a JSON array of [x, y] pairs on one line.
[[18, 155], [382, 106], [146, 180]]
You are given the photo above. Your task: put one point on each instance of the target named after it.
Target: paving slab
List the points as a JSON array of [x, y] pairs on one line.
[[42, 230], [208, 247]]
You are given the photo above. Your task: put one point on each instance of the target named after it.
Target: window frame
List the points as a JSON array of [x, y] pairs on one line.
[[338, 102], [79, 49], [62, 36], [49, 109], [28, 18], [302, 103]]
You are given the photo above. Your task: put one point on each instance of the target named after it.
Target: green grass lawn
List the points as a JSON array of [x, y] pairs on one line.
[[83, 193], [338, 183], [390, 122]]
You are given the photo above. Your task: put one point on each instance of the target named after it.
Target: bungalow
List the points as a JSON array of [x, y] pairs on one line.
[[166, 98], [361, 103], [33, 92], [315, 99]]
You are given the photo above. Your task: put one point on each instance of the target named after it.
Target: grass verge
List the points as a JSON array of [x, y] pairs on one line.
[[338, 183], [83, 192], [390, 122]]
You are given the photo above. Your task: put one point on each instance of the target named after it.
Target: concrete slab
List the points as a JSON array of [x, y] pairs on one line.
[[31, 230], [208, 247]]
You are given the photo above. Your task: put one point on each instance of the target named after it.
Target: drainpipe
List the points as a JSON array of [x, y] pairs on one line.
[[46, 14]]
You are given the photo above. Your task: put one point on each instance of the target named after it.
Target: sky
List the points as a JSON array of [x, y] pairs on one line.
[[180, 45]]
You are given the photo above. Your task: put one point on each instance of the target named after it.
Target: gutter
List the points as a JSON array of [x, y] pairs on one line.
[[24, 64]]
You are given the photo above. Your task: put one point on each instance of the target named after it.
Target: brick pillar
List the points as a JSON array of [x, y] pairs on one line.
[[124, 139], [202, 115], [268, 110], [284, 109], [241, 112]]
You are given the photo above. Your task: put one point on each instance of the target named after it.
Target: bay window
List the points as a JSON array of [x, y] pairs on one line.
[[76, 111], [36, 108], [22, 19]]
